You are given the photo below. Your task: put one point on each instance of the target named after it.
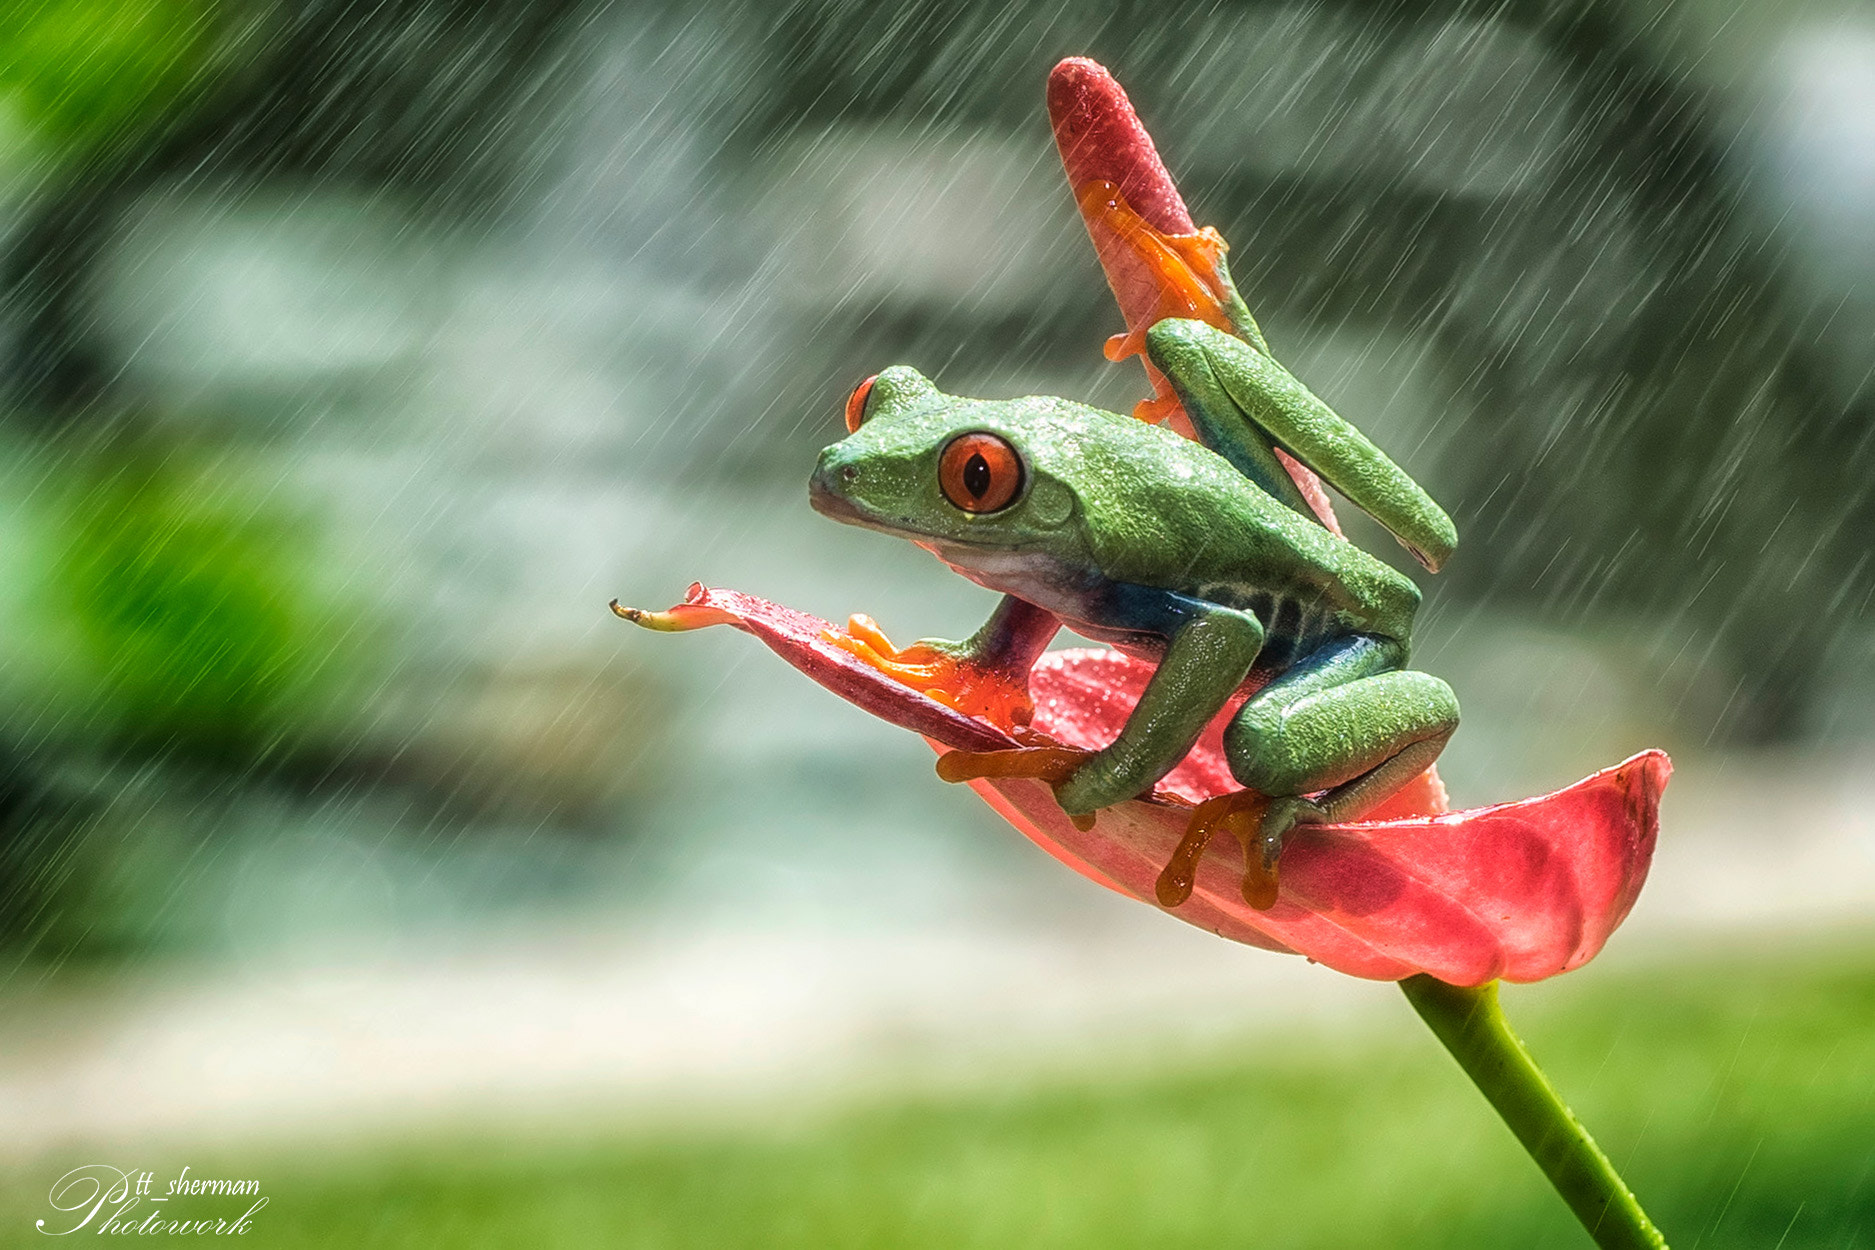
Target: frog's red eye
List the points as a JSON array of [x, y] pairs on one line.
[[856, 404], [980, 472]]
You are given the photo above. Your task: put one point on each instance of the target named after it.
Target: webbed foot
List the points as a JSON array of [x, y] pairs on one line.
[[1261, 826], [1185, 267], [940, 674], [1052, 764], [1239, 812]]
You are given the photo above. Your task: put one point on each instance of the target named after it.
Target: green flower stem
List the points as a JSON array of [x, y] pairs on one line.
[[1471, 1025]]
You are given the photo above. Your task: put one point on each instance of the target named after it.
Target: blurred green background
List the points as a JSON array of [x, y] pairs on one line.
[[353, 355]]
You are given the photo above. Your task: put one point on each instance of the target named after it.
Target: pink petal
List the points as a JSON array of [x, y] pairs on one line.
[[1520, 891]]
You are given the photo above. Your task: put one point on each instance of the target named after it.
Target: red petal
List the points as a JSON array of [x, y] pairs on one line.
[[802, 641], [1520, 891], [1101, 140]]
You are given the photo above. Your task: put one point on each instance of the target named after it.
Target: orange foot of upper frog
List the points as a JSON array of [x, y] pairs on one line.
[[1001, 699]]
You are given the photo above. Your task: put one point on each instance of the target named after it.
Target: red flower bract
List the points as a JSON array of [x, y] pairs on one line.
[[1520, 891]]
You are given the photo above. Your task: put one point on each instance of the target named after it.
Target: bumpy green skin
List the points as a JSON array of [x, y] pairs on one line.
[[1203, 558]]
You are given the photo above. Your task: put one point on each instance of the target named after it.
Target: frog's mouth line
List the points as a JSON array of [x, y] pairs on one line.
[[827, 500]]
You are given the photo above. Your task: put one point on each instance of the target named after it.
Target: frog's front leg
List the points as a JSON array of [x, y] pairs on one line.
[[1008, 643], [1207, 657], [1348, 725], [1208, 653], [985, 675]]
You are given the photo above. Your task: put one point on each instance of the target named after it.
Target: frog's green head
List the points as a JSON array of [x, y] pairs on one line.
[[950, 472]]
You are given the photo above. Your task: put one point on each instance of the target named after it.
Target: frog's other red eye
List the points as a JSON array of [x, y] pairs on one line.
[[980, 472], [856, 404]]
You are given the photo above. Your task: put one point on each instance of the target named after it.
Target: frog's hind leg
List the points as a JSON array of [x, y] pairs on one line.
[[1347, 725], [1239, 813], [1051, 764]]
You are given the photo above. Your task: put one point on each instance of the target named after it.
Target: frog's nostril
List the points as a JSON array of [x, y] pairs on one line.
[[849, 473]]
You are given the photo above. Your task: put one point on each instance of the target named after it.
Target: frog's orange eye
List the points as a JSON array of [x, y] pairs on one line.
[[856, 404], [980, 472]]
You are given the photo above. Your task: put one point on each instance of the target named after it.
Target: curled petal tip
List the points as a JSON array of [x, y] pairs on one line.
[[685, 616]]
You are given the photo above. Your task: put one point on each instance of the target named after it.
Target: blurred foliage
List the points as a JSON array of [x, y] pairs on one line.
[[1631, 380], [168, 620], [1737, 1097], [86, 75], [194, 603]]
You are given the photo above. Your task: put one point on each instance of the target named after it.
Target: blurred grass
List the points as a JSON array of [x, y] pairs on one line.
[[1739, 1101]]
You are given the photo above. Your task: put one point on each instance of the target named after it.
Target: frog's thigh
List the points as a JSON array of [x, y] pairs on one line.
[[1346, 714]]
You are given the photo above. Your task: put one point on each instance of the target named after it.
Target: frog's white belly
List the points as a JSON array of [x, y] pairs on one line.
[[1038, 579]]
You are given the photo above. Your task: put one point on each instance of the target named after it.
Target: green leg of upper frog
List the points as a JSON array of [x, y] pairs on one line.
[[1238, 311], [1348, 725], [1179, 352], [1242, 403], [1205, 662]]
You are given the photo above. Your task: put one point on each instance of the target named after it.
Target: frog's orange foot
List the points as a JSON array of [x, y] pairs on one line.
[[1157, 409], [1052, 764], [921, 668], [1002, 700], [1184, 266], [1241, 814]]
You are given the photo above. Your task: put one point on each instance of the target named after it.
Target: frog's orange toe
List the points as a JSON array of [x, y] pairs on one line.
[[1259, 886], [1239, 812], [863, 628], [921, 668], [1001, 699], [1052, 764], [1158, 408]]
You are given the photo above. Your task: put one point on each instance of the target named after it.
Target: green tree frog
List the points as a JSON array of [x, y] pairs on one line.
[[1204, 559]]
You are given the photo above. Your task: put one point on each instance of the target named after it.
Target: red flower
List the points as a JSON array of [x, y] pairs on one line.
[[1519, 891]]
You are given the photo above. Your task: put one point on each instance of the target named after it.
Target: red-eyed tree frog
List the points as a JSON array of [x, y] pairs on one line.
[[1203, 558]]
